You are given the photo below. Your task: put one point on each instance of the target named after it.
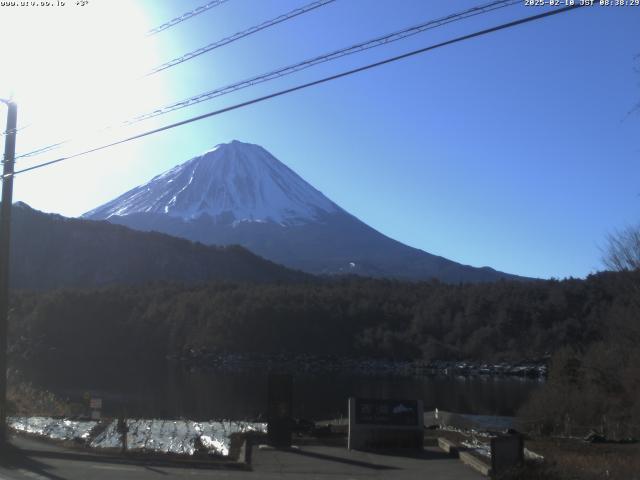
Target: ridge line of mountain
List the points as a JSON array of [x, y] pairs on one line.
[[238, 193]]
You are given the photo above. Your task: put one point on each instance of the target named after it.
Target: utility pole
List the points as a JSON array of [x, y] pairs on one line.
[[5, 240]]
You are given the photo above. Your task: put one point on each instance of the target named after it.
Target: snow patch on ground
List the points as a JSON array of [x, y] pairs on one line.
[[55, 428], [175, 436], [183, 437], [483, 449]]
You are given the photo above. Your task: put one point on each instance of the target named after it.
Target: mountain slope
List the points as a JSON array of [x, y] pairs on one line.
[[236, 181], [50, 251], [238, 193]]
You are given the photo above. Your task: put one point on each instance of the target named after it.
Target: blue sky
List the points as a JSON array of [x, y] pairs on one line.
[[513, 150]]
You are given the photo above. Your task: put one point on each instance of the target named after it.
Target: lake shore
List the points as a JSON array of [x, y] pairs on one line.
[[202, 359]]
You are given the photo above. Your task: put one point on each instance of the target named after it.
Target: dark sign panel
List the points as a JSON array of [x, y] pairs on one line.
[[507, 451], [279, 409], [386, 412]]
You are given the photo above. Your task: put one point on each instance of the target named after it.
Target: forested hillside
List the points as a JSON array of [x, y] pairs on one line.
[[51, 251], [347, 317]]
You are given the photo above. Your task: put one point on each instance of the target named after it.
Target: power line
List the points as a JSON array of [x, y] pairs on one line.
[[242, 34], [309, 84], [359, 47], [15, 130], [185, 16], [378, 41], [41, 150]]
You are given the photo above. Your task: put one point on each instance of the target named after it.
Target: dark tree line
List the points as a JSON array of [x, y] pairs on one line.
[[353, 317], [590, 327], [595, 385]]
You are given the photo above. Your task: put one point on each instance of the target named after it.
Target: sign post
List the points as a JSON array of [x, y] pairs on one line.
[[377, 423], [95, 404]]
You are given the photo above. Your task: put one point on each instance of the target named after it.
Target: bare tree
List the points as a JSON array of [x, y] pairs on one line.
[[622, 252]]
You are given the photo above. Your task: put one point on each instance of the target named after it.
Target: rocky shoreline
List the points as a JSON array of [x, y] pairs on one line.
[[308, 364]]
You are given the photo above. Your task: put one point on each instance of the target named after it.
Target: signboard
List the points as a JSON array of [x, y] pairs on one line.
[[95, 403], [386, 412], [385, 423]]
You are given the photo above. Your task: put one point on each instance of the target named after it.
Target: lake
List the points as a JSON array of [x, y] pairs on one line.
[[168, 390]]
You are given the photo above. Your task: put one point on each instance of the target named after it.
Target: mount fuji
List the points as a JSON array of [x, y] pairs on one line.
[[238, 193]]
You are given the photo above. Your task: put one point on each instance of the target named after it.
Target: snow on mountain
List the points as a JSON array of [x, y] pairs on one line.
[[233, 182], [240, 194]]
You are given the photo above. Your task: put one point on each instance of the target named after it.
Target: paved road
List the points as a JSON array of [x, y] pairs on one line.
[[42, 461], [340, 463]]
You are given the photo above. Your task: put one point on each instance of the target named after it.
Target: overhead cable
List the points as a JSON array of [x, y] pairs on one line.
[[487, 31], [185, 16], [359, 47], [242, 34]]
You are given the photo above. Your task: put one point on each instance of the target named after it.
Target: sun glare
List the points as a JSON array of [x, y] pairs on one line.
[[71, 68]]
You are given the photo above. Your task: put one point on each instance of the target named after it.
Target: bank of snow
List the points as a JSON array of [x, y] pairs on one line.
[[54, 428], [145, 435]]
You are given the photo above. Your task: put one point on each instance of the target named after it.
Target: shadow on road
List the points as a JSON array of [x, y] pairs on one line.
[[348, 461], [417, 454], [33, 455], [155, 470], [131, 459], [13, 458]]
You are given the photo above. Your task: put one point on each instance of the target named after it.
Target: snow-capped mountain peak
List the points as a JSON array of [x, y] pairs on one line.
[[233, 182], [239, 194]]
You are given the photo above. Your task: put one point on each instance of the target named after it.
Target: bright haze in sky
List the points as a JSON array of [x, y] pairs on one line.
[[514, 150]]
